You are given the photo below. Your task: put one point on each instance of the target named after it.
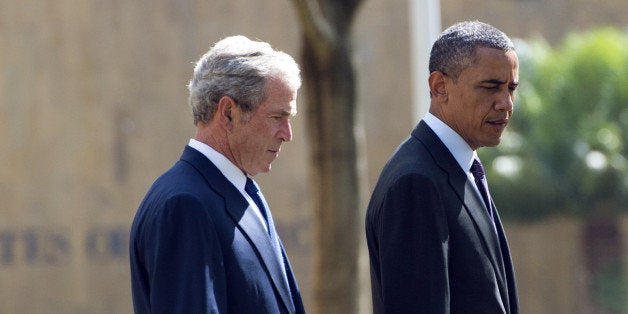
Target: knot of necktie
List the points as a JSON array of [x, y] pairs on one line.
[[250, 187], [477, 170], [480, 182]]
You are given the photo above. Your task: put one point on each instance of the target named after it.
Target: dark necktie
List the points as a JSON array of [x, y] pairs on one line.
[[252, 190], [480, 181]]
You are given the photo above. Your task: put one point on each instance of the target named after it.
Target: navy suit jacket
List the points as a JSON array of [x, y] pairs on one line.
[[432, 246], [197, 247]]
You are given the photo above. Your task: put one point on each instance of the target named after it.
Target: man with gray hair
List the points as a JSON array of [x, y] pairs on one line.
[[203, 239], [435, 239]]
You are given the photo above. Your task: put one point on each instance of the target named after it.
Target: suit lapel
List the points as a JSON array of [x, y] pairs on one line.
[[244, 216], [252, 227], [477, 210], [298, 302], [511, 289], [472, 202]]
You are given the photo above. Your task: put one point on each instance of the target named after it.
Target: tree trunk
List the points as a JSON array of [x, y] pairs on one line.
[[602, 246], [330, 113], [330, 117]]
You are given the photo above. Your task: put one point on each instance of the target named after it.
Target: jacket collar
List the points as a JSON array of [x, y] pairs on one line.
[[244, 217]]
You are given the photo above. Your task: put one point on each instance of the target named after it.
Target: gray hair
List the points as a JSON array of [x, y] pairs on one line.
[[455, 48], [238, 67]]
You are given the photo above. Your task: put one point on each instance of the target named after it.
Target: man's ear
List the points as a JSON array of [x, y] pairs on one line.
[[226, 106], [438, 86]]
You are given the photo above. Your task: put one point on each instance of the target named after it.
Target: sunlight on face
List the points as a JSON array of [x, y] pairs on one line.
[[255, 141], [480, 101]]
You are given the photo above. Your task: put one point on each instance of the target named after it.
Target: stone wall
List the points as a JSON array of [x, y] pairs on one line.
[[93, 108]]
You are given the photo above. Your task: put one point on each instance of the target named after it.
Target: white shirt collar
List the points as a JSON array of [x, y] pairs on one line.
[[231, 172], [453, 141], [228, 169]]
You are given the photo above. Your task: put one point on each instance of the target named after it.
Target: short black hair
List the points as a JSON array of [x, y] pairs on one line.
[[455, 48]]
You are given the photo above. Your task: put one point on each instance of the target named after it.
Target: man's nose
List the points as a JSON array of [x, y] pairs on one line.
[[505, 102], [285, 132]]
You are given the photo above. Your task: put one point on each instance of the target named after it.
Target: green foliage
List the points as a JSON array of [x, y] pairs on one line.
[[610, 289], [565, 151]]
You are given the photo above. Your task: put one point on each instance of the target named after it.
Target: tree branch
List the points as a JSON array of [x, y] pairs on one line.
[[316, 28]]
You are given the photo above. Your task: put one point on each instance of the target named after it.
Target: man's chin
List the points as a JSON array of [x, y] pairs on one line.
[[493, 143], [266, 169]]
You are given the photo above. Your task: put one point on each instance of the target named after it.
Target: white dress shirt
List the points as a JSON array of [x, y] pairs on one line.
[[231, 172]]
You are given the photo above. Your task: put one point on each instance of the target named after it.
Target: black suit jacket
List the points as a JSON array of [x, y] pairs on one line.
[[432, 246], [197, 247]]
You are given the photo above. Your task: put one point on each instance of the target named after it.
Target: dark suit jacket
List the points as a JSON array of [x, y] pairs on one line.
[[432, 246], [197, 247]]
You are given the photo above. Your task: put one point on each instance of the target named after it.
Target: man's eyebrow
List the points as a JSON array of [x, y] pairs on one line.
[[494, 81], [500, 82], [286, 112]]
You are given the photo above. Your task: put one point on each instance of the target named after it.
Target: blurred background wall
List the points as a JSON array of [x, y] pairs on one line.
[[93, 108]]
